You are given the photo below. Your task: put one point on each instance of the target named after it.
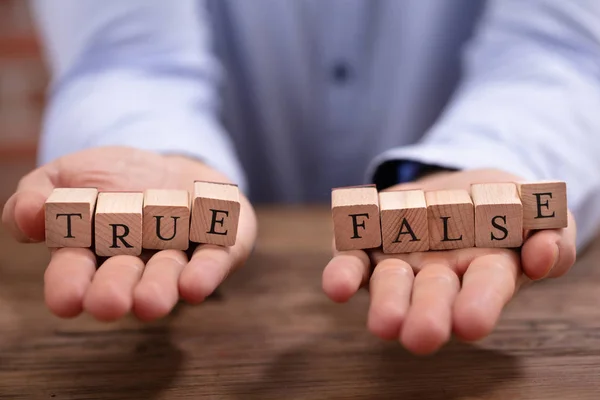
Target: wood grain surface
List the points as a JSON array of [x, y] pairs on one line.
[[270, 333]]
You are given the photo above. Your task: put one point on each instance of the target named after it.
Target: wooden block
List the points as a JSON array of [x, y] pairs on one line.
[[356, 219], [68, 217], [118, 224], [544, 204], [404, 221], [166, 219], [498, 215], [215, 213], [451, 219]]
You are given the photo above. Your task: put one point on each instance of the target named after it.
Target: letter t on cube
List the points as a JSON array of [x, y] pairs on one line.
[[68, 215], [215, 213], [357, 224]]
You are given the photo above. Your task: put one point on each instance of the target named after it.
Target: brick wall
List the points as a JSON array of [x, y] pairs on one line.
[[22, 80], [22, 84]]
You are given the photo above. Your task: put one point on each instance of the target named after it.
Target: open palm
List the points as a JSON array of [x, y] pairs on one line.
[[150, 285], [420, 299]]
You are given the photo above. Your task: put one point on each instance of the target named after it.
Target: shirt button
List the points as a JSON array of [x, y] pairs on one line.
[[340, 72]]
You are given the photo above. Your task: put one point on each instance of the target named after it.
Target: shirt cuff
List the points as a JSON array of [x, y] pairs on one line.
[[405, 164]]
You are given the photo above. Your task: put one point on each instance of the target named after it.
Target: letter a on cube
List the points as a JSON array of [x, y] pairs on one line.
[[404, 221], [68, 215], [215, 213], [356, 219]]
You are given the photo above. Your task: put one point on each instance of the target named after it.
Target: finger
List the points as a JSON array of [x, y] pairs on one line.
[[211, 264], [428, 324], [23, 214], [345, 274], [8, 220], [157, 292], [488, 284], [208, 267], [66, 280], [110, 295], [390, 289], [550, 253], [458, 260]]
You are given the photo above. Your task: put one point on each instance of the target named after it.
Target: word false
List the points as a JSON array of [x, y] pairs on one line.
[[492, 215]]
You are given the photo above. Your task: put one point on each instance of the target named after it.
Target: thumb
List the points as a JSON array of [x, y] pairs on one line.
[[23, 214]]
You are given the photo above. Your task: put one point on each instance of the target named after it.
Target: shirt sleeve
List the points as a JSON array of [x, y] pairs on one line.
[[136, 73], [529, 103]]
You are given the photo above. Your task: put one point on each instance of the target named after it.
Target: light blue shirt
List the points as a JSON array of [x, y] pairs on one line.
[[291, 98]]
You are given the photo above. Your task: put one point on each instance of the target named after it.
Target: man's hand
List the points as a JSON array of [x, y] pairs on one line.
[[151, 289], [420, 299]]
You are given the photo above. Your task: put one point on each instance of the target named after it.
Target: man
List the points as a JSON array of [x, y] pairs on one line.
[[291, 98]]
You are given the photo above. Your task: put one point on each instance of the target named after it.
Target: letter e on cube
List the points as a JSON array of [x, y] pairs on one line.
[[215, 213]]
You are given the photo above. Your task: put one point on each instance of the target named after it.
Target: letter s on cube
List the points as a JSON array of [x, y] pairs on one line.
[[356, 219], [498, 215]]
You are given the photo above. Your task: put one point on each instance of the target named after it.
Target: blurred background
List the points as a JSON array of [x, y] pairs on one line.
[[23, 80]]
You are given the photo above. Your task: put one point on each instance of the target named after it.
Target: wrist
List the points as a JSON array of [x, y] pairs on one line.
[[193, 169], [433, 171], [413, 171]]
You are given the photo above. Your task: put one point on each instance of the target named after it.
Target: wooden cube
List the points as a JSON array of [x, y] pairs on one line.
[[68, 217], [451, 219], [356, 219], [498, 215], [404, 221], [544, 204], [166, 223], [118, 224], [215, 213]]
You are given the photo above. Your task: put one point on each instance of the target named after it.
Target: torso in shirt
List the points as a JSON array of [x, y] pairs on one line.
[[315, 89]]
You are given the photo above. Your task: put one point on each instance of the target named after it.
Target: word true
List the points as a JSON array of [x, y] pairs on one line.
[[405, 221], [115, 223]]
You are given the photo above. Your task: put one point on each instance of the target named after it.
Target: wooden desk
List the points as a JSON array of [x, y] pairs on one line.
[[272, 334]]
